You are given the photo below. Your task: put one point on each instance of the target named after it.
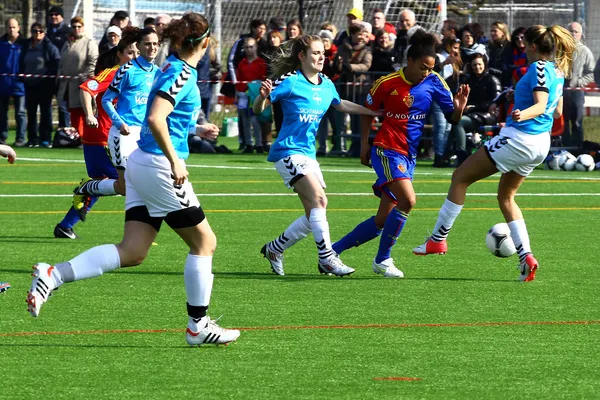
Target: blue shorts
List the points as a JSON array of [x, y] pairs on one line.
[[390, 166], [98, 163]]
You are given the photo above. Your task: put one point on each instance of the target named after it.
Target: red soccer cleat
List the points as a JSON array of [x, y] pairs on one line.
[[431, 247]]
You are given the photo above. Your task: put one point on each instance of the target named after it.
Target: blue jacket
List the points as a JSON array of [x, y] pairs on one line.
[[10, 55], [203, 69]]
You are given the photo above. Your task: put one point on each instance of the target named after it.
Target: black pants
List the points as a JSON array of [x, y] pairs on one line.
[[39, 96], [573, 112]]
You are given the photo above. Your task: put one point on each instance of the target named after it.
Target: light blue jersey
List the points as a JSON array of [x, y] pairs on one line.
[[176, 82], [303, 104], [131, 87], [541, 76]]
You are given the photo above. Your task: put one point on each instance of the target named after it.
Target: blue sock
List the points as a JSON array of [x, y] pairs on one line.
[[391, 231], [365, 231], [72, 216]]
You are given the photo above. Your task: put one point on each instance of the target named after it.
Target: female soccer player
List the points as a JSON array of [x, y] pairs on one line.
[[521, 145], [305, 95], [157, 190], [95, 137], [130, 87], [406, 97]]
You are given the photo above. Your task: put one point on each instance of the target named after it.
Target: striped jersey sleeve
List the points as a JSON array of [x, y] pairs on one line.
[[171, 83], [120, 79], [100, 82], [282, 87], [539, 79]]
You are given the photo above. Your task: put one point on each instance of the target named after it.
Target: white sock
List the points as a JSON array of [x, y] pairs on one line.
[[297, 231], [519, 235], [90, 264], [445, 220], [106, 187], [198, 278], [320, 229]]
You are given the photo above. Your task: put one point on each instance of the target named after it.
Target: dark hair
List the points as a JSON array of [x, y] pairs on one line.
[[422, 44], [276, 24], [513, 36], [553, 41], [108, 59], [149, 21], [255, 23], [376, 10], [452, 25], [37, 25], [477, 31], [294, 22], [354, 29], [187, 32], [483, 58], [469, 28]]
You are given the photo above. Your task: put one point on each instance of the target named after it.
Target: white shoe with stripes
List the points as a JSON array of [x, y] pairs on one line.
[[41, 288], [211, 334]]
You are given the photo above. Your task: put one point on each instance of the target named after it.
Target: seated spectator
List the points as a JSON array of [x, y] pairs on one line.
[[497, 48], [78, 58], [470, 46], [380, 23], [150, 23], [450, 28], [251, 68], [276, 24], [294, 29], [484, 89], [274, 41], [39, 57], [516, 59], [383, 54]]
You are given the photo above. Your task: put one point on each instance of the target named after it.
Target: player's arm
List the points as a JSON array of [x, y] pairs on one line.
[[559, 108], [86, 102], [262, 100], [157, 122], [349, 107], [460, 103], [109, 107], [365, 148], [540, 101], [8, 152]]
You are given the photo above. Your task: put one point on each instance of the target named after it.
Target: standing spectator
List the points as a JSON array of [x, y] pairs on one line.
[[450, 28], [354, 16], [251, 68], [597, 73], [150, 23], [276, 24], [407, 21], [293, 29], [162, 21], [379, 23], [582, 74], [58, 33], [274, 41], [39, 57], [78, 59], [11, 46], [204, 86], [497, 48], [120, 19], [516, 59], [383, 53], [329, 118], [354, 57], [113, 36]]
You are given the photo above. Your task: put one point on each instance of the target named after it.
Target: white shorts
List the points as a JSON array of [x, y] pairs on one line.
[[513, 150], [121, 146], [149, 183], [296, 166]]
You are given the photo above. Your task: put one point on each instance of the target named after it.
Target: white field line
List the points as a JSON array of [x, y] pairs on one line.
[[338, 194], [357, 171]]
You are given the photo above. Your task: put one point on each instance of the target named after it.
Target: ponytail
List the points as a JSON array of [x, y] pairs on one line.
[[286, 58], [554, 41]]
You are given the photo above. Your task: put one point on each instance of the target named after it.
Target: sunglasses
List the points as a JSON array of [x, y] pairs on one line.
[[77, 26], [520, 37], [457, 40], [37, 31], [54, 15]]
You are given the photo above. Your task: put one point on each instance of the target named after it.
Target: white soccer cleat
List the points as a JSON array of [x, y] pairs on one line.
[[41, 288], [387, 269], [334, 266], [275, 259], [211, 334]]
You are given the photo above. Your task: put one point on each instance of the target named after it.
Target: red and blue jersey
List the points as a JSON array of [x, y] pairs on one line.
[[97, 86], [405, 108]]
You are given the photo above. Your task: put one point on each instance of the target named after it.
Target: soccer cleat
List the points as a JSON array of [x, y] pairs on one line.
[[211, 334], [334, 266], [528, 268], [275, 259], [81, 199], [431, 247], [387, 269], [64, 233], [41, 288]]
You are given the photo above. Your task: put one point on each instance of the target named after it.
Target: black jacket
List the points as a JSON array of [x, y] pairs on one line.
[[383, 59], [484, 90], [60, 36], [51, 59]]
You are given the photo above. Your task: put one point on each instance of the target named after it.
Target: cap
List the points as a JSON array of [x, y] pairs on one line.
[[121, 14], [355, 12], [114, 29], [325, 34], [367, 27], [56, 10]]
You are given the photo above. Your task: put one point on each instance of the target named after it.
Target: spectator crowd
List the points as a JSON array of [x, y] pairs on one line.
[[490, 61]]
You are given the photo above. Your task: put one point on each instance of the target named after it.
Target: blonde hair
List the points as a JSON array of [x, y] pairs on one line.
[[286, 58], [328, 26], [554, 40], [504, 28]]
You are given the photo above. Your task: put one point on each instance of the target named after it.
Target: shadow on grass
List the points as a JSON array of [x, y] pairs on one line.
[[28, 239], [102, 346]]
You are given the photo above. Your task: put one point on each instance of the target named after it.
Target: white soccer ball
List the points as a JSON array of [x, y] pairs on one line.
[[499, 242], [585, 162], [553, 162], [566, 160]]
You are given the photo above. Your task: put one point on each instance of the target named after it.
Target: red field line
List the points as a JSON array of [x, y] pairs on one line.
[[292, 327]]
